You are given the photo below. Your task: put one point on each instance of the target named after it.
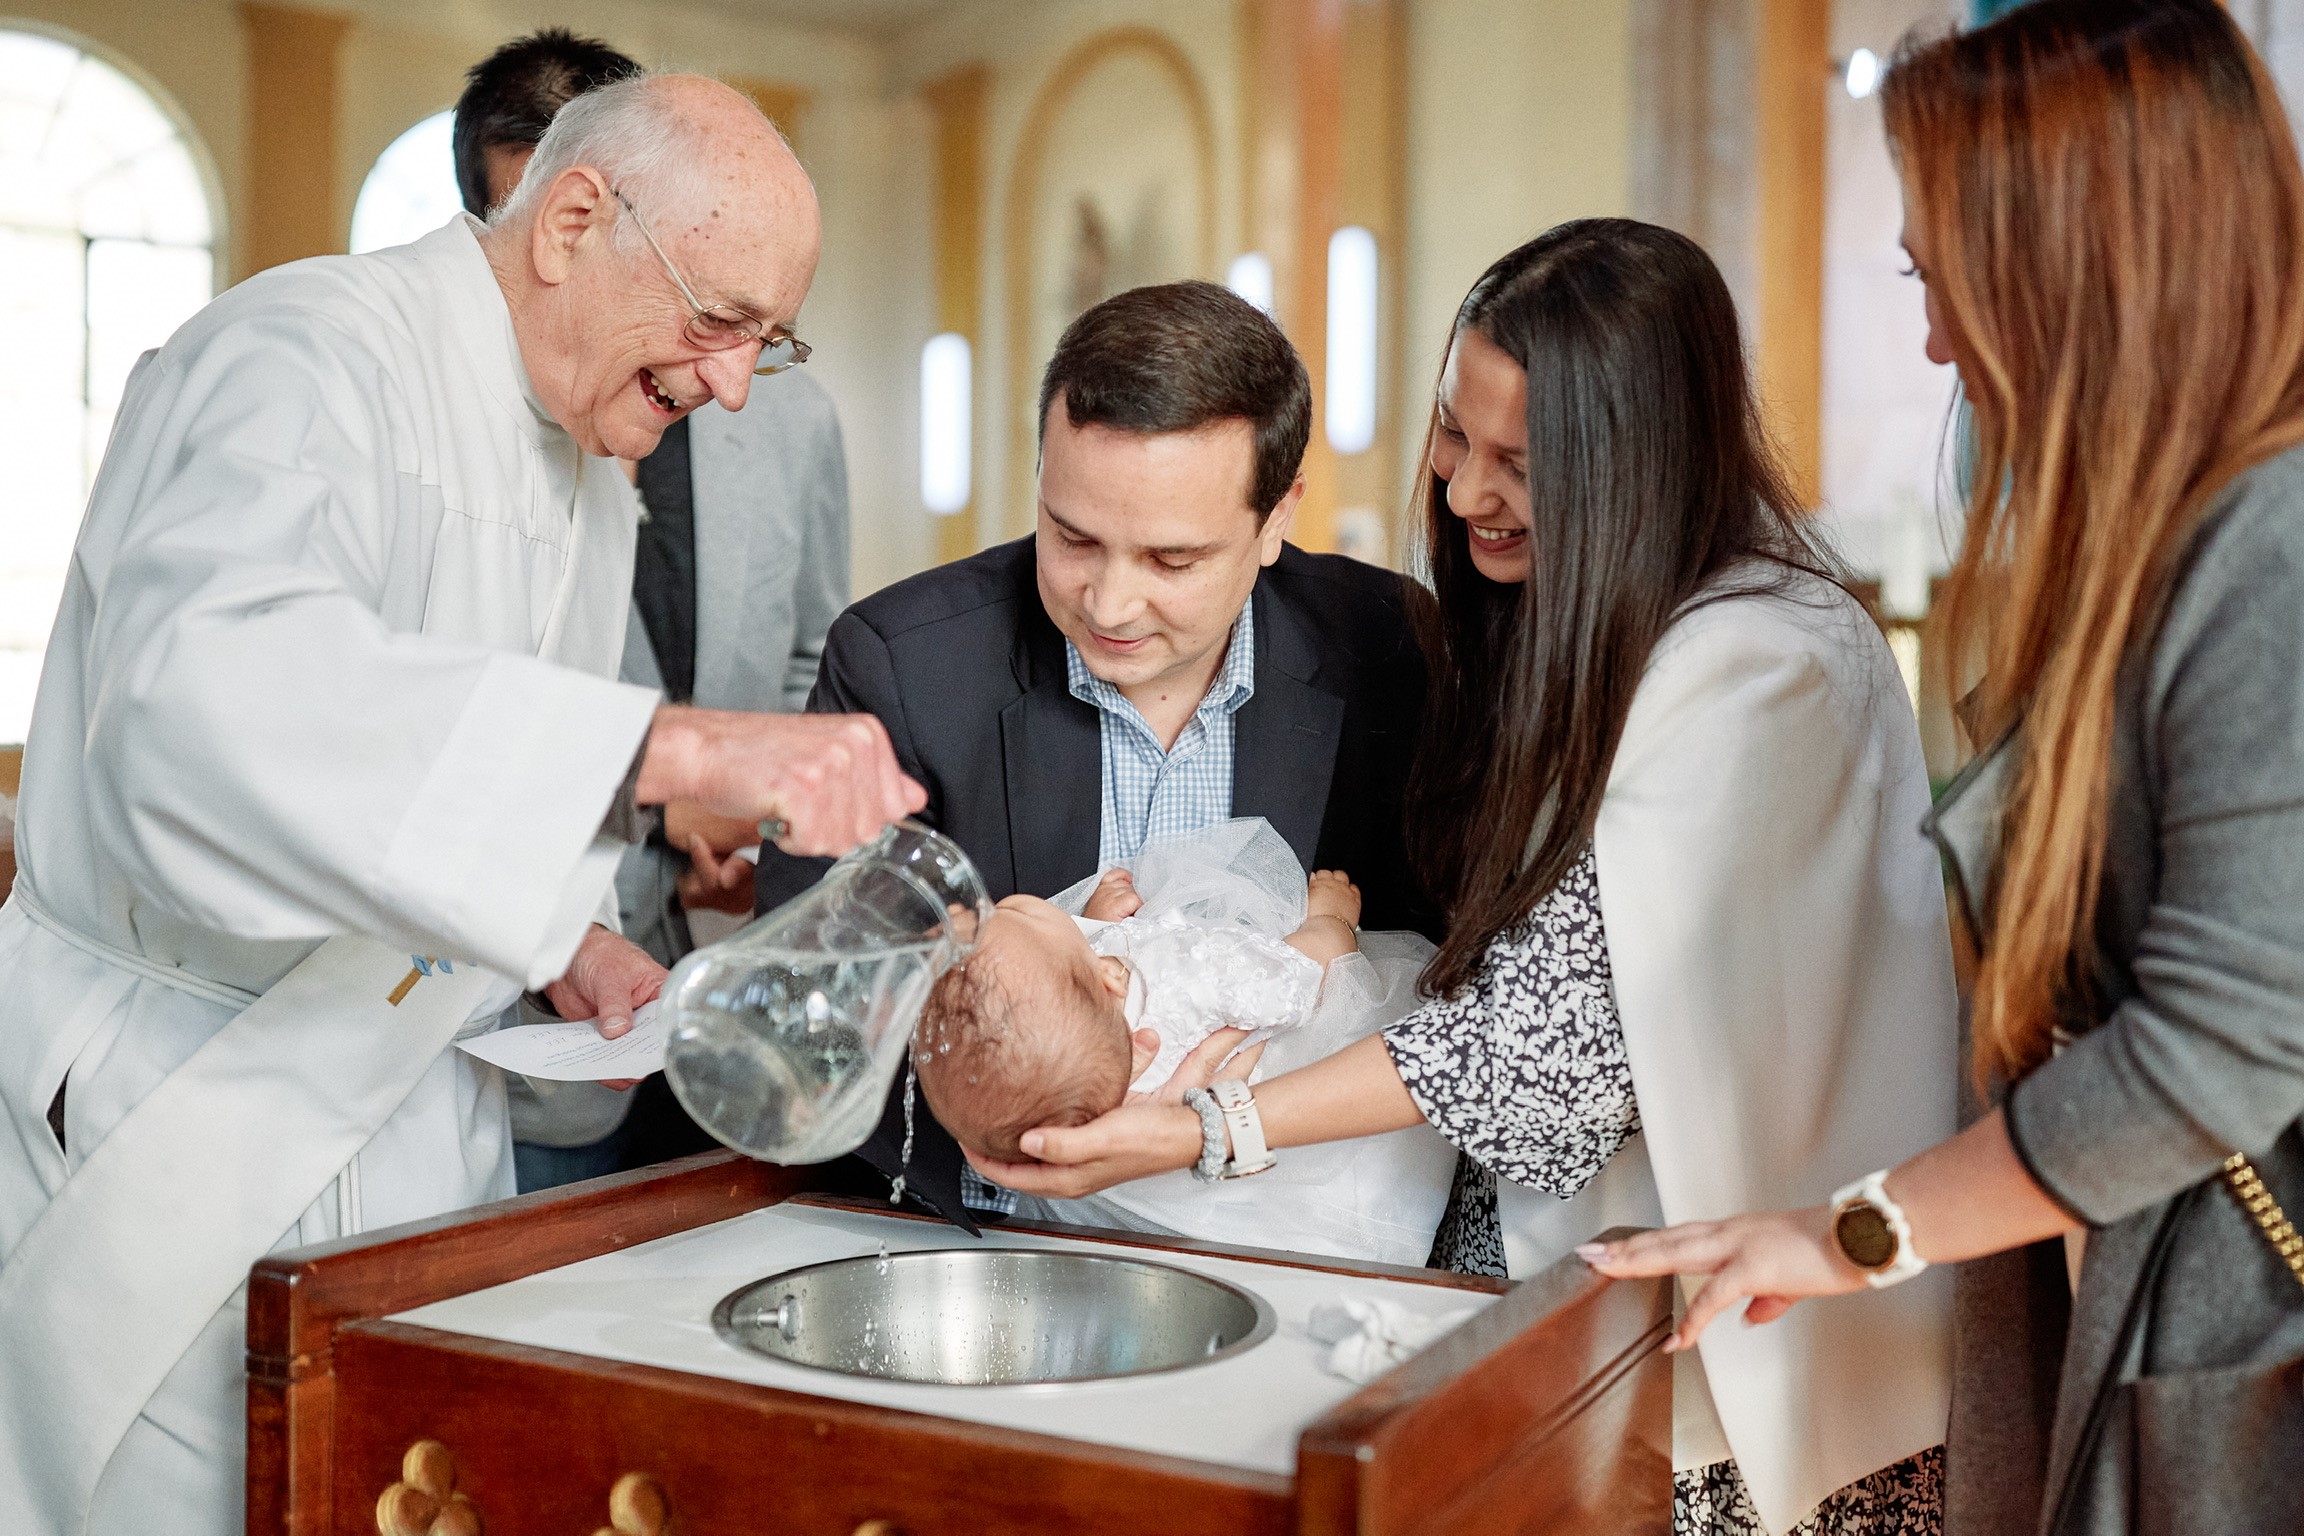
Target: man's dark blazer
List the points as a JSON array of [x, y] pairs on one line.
[[964, 667]]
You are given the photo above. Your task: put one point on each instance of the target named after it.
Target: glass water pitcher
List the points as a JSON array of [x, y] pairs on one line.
[[784, 1038]]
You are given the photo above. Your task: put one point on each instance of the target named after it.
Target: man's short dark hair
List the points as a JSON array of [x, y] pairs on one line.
[[511, 97], [1179, 356]]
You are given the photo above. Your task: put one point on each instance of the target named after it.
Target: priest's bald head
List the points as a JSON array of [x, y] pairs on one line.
[[655, 253]]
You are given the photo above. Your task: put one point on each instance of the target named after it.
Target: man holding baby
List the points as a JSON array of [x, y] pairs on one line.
[[1155, 658]]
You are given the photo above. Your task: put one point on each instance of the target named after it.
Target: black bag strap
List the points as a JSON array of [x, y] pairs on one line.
[[2123, 1353]]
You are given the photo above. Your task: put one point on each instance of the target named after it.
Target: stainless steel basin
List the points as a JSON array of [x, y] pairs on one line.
[[993, 1316]]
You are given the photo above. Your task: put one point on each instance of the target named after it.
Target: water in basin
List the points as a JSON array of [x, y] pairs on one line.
[[993, 1316]]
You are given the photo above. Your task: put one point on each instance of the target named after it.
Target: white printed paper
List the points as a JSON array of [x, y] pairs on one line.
[[572, 1051]]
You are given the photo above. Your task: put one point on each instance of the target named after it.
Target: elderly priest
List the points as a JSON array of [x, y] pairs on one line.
[[329, 763]]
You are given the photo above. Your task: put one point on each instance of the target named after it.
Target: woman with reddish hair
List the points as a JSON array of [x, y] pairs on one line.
[[2104, 203]]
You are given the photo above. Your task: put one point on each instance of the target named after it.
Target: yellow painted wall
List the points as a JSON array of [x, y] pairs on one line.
[[405, 59], [401, 60], [1520, 115], [1024, 46]]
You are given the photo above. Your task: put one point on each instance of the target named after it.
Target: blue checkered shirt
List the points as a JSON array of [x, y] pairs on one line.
[[1150, 791], [1153, 792]]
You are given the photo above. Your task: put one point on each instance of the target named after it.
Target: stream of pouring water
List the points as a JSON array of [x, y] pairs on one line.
[[904, 1165]]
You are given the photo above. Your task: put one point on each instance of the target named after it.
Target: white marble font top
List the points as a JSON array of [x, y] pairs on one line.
[[652, 1305]]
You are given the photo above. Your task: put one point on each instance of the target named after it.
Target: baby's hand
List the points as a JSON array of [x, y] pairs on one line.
[[1332, 894], [1115, 898]]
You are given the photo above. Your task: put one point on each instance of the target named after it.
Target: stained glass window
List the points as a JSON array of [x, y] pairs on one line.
[[107, 244]]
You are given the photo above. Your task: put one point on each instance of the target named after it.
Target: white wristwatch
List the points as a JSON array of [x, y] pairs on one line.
[[1246, 1127], [1873, 1233]]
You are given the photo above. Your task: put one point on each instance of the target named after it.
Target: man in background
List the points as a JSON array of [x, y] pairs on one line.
[[742, 566]]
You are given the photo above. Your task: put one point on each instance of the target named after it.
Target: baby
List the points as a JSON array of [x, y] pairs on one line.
[[1056, 1019], [1053, 1021]]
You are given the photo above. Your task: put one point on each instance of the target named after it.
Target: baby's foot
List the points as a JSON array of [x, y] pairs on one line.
[[1332, 894], [1115, 898]]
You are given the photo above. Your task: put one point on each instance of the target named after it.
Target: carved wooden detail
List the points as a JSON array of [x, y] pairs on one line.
[[637, 1507], [1548, 1414], [425, 1501]]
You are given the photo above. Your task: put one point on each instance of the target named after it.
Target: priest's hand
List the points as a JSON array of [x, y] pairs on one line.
[[609, 978], [832, 780]]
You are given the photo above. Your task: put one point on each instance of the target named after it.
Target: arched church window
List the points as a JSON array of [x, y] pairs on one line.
[[107, 244], [410, 190]]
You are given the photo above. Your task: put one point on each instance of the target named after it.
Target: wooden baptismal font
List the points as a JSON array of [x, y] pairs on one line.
[[550, 1366]]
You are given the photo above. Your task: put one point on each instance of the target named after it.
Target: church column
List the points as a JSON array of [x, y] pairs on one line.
[[1315, 31], [1291, 62], [956, 199], [293, 88], [1323, 88], [1795, 72], [1372, 193]]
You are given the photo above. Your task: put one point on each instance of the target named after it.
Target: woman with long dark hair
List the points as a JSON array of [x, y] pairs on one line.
[[1670, 792], [2104, 203]]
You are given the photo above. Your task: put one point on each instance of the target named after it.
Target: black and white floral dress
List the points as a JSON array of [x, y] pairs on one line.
[[1525, 1072]]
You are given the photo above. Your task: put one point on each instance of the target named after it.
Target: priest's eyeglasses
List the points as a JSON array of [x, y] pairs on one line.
[[717, 327]]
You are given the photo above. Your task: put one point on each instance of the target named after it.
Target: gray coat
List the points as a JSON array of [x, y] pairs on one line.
[[771, 508], [771, 575], [2188, 1047]]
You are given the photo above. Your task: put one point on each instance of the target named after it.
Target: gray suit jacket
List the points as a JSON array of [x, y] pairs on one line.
[[771, 505], [771, 576], [2188, 1046]]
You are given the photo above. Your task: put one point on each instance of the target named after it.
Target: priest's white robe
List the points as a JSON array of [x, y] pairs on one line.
[[1783, 971], [336, 657]]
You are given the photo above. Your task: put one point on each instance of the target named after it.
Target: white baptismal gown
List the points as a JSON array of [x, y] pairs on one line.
[[1207, 952], [1187, 980]]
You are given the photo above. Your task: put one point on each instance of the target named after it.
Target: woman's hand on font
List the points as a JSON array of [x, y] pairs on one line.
[[1771, 1259]]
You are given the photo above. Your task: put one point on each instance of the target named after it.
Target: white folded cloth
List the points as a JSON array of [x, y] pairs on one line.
[[1366, 1338]]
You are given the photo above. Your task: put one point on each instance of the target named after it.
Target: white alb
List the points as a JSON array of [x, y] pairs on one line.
[[335, 663]]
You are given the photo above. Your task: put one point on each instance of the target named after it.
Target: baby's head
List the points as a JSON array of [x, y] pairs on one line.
[[1029, 1031]]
